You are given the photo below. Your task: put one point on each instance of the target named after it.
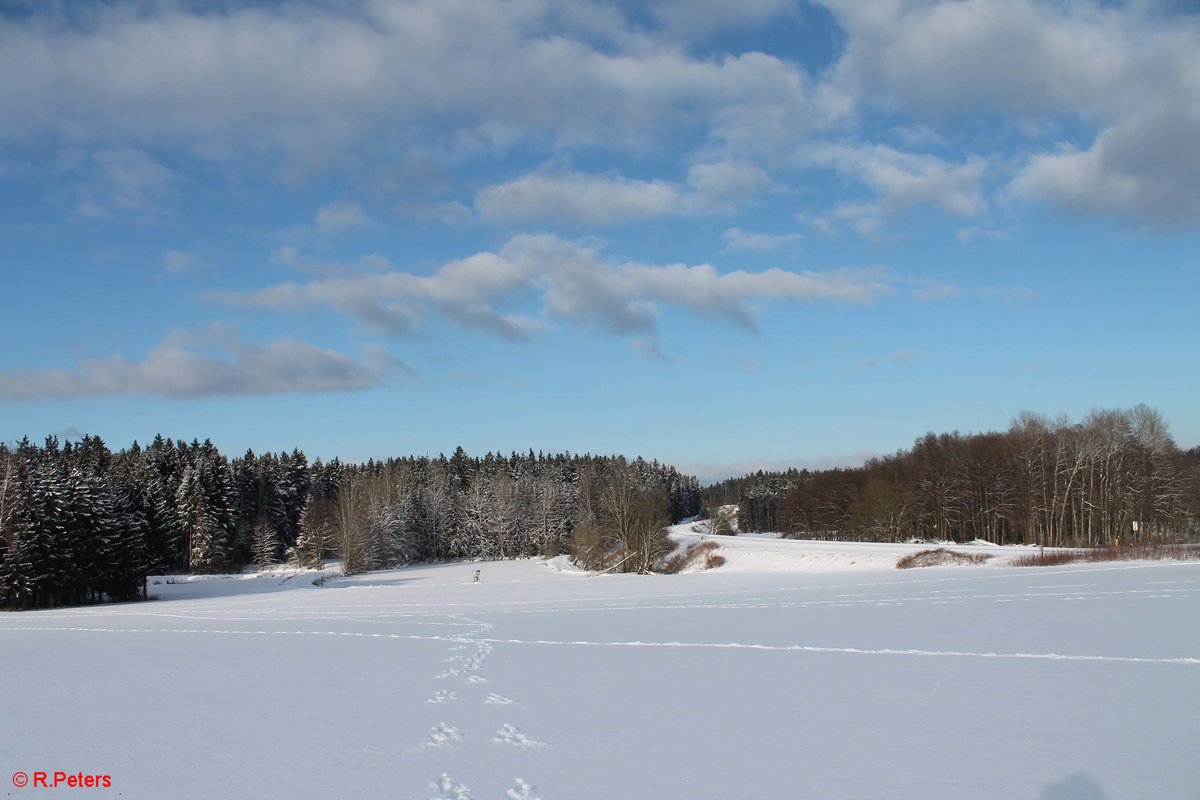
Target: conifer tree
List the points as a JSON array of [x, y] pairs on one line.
[[266, 544], [204, 538]]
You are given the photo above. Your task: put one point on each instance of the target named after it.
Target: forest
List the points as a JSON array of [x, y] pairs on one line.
[[81, 524], [1116, 477]]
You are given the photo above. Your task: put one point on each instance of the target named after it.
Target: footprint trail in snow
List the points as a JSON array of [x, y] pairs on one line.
[[464, 662]]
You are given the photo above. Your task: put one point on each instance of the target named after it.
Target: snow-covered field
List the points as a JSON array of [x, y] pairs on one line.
[[789, 673]]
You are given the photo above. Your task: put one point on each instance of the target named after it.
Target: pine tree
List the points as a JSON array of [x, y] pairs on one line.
[[126, 551], [38, 563], [266, 544], [17, 577], [205, 539], [314, 535]]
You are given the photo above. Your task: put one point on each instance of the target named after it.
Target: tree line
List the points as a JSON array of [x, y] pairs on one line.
[[1116, 477], [81, 524]]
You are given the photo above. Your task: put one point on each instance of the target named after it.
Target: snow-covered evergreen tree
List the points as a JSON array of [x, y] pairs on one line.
[[205, 539], [314, 536], [266, 544]]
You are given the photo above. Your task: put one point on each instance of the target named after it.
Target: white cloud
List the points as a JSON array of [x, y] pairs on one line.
[[737, 239], [309, 82], [576, 198], [904, 180], [1143, 169], [1131, 71], [929, 290], [366, 86], [286, 255], [341, 217], [1019, 56], [864, 218], [178, 369], [919, 136], [119, 182], [724, 185], [970, 234], [900, 181], [486, 291]]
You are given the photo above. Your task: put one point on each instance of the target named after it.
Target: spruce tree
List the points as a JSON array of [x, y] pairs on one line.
[[266, 544], [205, 539]]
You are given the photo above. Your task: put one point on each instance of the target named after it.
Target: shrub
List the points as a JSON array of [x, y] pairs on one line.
[[938, 557], [1054, 558], [1139, 552], [693, 556]]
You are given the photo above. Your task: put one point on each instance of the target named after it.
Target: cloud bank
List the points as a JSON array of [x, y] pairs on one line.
[[565, 280], [176, 370]]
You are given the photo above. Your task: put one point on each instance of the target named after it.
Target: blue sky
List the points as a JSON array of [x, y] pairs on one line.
[[722, 235]]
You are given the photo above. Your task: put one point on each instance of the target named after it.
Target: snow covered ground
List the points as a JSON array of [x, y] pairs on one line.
[[750, 681], [766, 552]]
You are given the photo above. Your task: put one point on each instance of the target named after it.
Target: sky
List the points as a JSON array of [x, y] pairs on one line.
[[726, 236]]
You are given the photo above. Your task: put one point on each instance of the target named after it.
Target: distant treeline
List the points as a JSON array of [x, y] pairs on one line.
[[81, 524], [1116, 477]]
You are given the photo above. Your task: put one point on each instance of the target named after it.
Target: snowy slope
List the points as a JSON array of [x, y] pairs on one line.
[[767, 552], [1073, 683]]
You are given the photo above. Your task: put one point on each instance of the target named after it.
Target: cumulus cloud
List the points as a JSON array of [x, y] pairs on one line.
[[341, 217], [737, 239], [572, 282], [724, 185], [1019, 56], [564, 196], [904, 180], [1142, 170], [1131, 70], [574, 197], [177, 368], [364, 86], [307, 81]]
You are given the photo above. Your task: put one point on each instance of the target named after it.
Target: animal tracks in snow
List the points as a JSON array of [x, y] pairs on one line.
[[464, 661], [521, 791], [449, 789], [442, 735], [508, 734]]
